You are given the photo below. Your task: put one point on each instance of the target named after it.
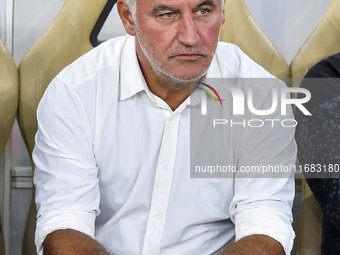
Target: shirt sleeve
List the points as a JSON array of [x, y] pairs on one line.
[[262, 203], [65, 176]]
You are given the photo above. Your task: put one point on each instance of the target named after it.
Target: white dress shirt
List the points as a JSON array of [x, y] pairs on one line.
[[112, 161]]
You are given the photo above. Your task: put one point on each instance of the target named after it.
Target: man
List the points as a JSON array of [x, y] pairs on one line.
[[317, 137], [112, 149]]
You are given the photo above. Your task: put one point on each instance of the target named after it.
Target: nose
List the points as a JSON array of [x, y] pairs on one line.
[[188, 32]]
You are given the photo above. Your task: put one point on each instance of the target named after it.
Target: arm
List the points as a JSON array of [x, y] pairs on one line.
[[65, 176], [255, 244], [72, 242], [261, 207]]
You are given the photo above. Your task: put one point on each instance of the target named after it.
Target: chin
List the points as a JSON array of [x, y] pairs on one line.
[[185, 78], [190, 74]]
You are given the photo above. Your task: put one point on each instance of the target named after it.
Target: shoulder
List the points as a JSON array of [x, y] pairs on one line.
[[106, 56], [326, 68], [80, 86], [323, 82], [96, 69], [245, 72], [232, 58]]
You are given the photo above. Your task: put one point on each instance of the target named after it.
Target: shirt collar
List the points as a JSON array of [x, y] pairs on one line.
[[132, 80], [131, 77]]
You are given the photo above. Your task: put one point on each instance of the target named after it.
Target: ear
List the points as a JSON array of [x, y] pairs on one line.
[[126, 17]]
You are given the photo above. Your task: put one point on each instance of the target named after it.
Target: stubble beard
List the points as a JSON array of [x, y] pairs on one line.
[[161, 68]]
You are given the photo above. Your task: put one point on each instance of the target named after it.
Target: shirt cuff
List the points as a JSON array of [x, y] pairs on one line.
[[265, 222], [52, 221]]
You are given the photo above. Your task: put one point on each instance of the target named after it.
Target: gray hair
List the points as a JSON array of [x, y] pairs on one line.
[[132, 7]]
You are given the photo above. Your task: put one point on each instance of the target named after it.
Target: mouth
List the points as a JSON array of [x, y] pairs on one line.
[[188, 56]]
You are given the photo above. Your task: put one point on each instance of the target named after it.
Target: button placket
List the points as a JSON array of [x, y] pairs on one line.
[[162, 186]]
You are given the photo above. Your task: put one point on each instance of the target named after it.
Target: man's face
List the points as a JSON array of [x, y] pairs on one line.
[[178, 38]]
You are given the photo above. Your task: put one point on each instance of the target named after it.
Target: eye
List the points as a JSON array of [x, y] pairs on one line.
[[202, 11], [168, 15]]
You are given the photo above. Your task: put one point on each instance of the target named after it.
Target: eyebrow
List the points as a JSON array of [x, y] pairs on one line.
[[162, 7], [207, 2]]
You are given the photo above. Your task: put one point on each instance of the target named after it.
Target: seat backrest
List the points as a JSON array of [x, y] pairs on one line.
[[240, 28], [9, 94], [66, 38], [323, 42]]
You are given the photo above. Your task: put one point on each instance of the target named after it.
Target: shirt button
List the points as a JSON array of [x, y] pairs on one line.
[[165, 168], [157, 216]]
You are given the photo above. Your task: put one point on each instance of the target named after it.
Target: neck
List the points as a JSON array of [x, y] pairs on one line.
[[173, 94]]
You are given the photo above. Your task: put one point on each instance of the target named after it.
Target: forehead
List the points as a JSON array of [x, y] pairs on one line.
[[150, 4]]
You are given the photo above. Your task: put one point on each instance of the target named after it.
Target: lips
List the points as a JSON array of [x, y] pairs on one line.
[[188, 56]]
